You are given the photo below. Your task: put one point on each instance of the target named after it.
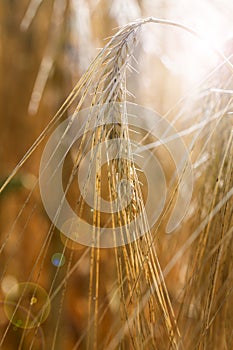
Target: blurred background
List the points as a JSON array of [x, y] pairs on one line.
[[45, 47]]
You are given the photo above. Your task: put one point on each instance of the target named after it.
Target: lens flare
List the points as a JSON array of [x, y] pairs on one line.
[[27, 305], [58, 259]]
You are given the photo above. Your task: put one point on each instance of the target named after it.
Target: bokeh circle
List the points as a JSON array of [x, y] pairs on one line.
[[27, 305]]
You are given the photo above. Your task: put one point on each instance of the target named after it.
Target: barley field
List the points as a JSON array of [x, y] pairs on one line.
[[116, 178]]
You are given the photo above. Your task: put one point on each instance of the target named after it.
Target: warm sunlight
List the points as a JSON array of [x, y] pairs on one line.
[[116, 175], [215, 27]]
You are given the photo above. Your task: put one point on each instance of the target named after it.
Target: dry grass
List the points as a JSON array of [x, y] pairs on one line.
[[123, 301]]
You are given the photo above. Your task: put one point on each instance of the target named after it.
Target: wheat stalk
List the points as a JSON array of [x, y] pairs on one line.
[[147, 318]]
